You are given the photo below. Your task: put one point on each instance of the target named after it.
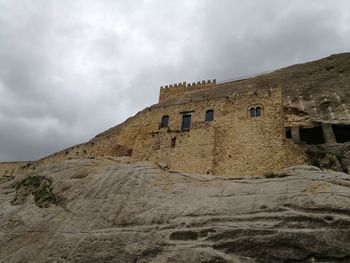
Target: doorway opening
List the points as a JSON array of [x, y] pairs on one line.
[[312, 135], [341, 133]]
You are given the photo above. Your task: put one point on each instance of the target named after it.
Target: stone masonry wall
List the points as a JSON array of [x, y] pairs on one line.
[[233, 144]]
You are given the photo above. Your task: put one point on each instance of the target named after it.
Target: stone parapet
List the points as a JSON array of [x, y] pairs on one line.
[[178, 90]]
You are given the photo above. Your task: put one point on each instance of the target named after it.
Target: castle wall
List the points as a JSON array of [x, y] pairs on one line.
[[233, 144], [191, 152], [251, 146]]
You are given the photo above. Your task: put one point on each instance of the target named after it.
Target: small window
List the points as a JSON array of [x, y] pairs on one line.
[[173, 142], [209, 115], [258, 111], [186, 122], [165, 121], [252, 112], [255, 111], [288, 133]]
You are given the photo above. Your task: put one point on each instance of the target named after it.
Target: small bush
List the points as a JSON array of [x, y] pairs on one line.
[[39, 187]]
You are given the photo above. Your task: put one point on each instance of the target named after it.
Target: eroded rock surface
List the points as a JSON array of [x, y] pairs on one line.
[[121, 210]]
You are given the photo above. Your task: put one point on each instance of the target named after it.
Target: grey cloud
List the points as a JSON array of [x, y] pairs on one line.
[[268, 34], [71, 69]]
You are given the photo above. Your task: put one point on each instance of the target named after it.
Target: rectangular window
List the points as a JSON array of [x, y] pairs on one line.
[[288, 133], [186, 122], [209, 116], [165, 121]]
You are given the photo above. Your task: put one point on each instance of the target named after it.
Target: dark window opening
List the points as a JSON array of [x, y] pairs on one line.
[[173, 142], [288, 133], [186, 122], [258, 111], [255, 111], [252, 113], [209, 115], [312, 135], [165, 121], [341, 133]]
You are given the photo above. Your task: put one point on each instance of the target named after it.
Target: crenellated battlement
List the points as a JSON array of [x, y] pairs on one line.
[[176, 85], [179, 89]]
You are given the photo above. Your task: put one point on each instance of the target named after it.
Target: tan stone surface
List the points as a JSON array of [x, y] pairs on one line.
[[122, 210], [8, 169], [233, 143]]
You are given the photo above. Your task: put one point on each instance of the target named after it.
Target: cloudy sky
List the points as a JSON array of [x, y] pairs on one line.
[[70, 69]]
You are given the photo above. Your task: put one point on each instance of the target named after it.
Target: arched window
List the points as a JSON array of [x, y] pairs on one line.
[[255, 111], [209, 115], [165, 121]]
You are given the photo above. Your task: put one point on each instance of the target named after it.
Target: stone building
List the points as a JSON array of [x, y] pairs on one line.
[[203, 128], [248, 126]]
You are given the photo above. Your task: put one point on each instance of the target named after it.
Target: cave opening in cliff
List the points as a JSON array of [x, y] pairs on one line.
[[312, 135], [341, 133]]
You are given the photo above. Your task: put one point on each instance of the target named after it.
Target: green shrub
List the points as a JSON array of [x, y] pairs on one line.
[[39, 187]]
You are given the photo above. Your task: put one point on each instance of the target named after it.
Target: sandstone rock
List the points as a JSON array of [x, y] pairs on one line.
[[121, 210], [163, 166]]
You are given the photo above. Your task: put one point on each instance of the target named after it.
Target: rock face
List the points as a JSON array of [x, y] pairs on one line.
[[122, 210]]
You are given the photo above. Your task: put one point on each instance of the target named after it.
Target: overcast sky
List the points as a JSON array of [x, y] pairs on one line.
[[70, 69]]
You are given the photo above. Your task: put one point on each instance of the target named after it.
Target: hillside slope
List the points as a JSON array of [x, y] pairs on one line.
[[122, 210], [317, 91]]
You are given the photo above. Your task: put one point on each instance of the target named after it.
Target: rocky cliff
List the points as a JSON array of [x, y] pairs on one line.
[[122, 210]]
